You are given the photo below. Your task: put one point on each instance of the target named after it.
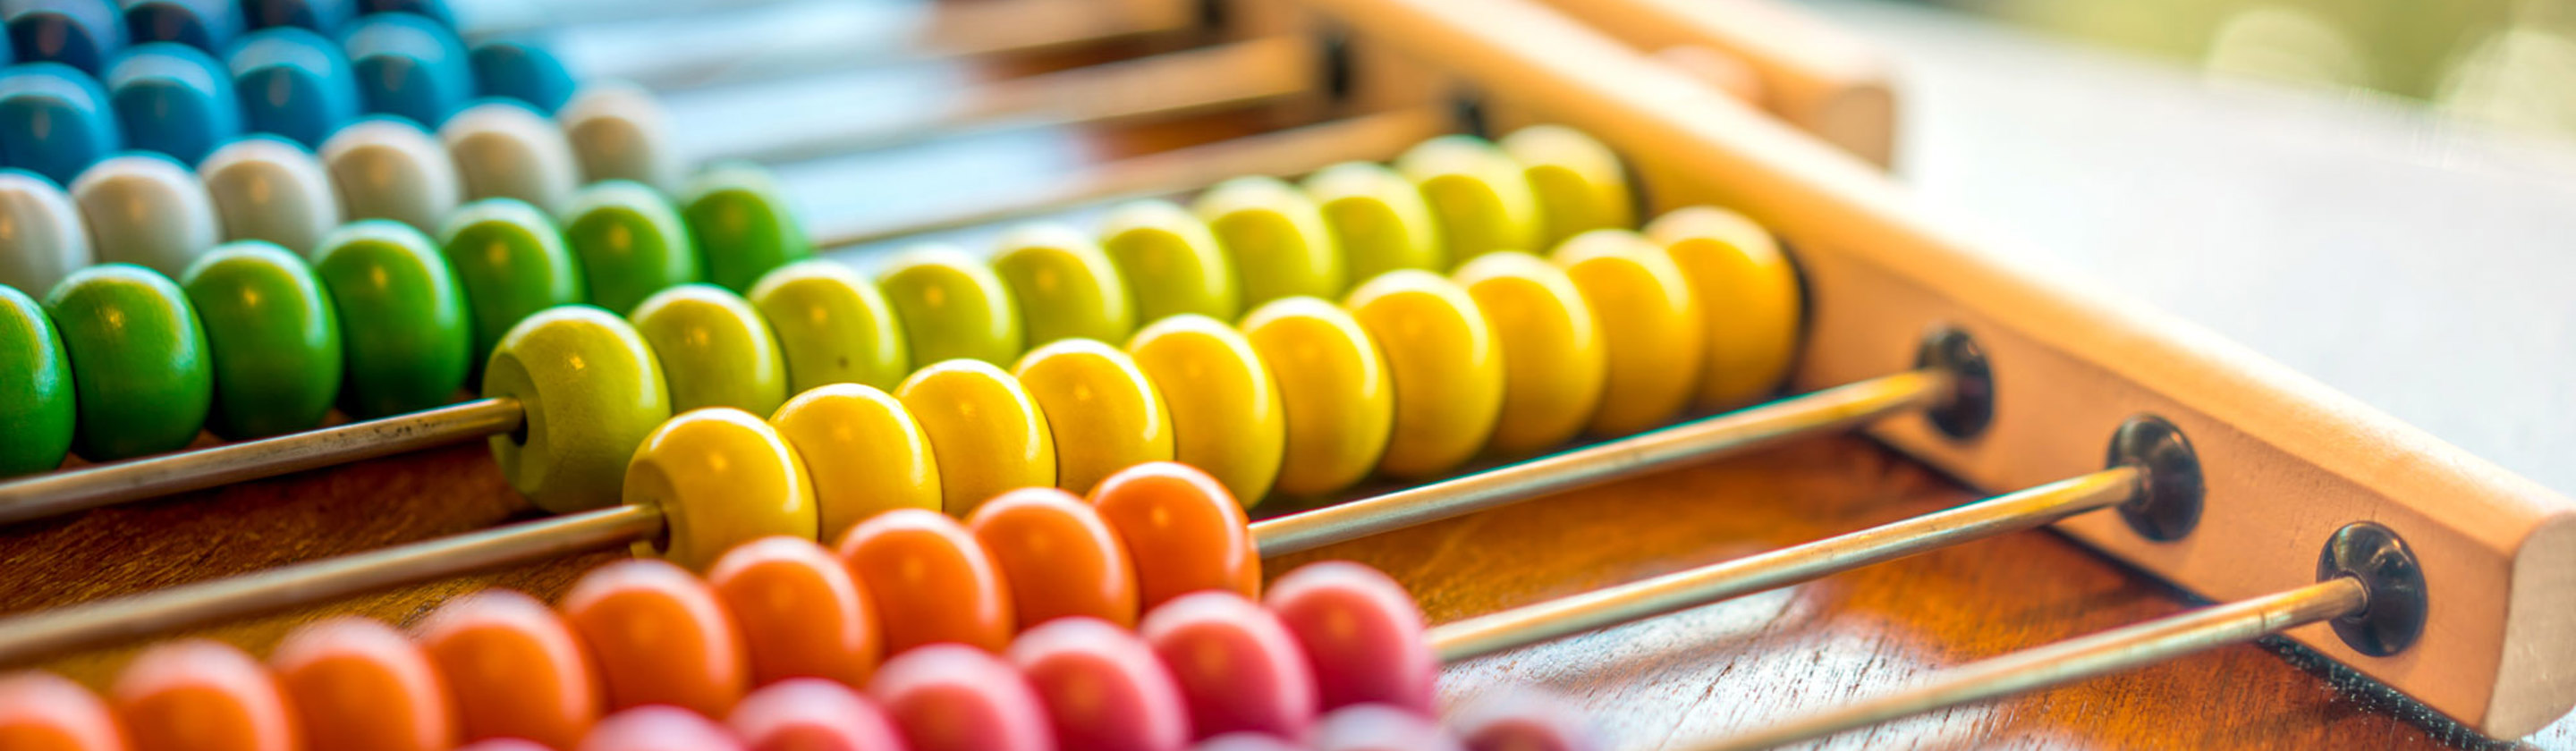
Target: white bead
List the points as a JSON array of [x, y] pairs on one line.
[[147, 209], [505, 150], [391, 169], [268, 188], [619, 132], [42, 239]]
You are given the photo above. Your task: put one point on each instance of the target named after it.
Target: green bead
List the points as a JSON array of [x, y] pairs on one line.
[[402, 317], [631, 244], [36, 408], [1065, 286], [274, 338], [1277, 240], [1172, 262], [714, 349], [832, 327], [1379, 219], [511, 261], [951, 307], [741, 224], [1480, 196], [139, 366], [591, 390]]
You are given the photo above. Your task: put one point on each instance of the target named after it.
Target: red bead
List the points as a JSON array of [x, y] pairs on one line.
[[358, 685], [1247, 741], [1104, 689], [953, 697], [658, 727], [1379, 727], [44, 712], [658, 636], [799, 611], [811, 714], [1237, 667], [1528, 722], [1361, 634]]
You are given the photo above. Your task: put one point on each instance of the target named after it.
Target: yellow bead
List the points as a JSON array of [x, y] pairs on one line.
[[1226, 418], [832, 326], [864, 451], [1333, 386], [1065, 285], [951, 306], [1275, 237], [1378, 218], [987, 432], [721, 477], [1748, 295], [1171, 262], [1553, 363], [1104, 413], [1477, 193], [1447, 368], [1650, 327], [714, 349], [1580, 184]]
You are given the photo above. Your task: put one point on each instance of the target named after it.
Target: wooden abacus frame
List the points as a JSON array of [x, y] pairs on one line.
[[2287, 460]]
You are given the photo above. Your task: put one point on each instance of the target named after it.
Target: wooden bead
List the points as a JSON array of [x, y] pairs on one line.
[[619, 131], [141, 375], [832, 327], [742, 224], [952, 697], [630, 242], [1554, 366], [1478, 194], [272, 189], [987, 431], [50, 238], [1171, 262], [402, 317], [1748, 296], [658, 636], [1104, 688], [36, 390], [863, 452], [721, 477], [147, 209], [44, 712], [1655, 347], [511, 262], [1064, 286], [811, 714], [1059, 557], [504, 149], [1183, 531], [657, 727], [358, 685], [1361, 635], [1446, 365], [1378, 218], [931, 577], [513, 668], [1275, 238], [1334, 392], [1379, 727], [389, 168], [952, 307], [592, 391], [1237, 667], [274, 337], [1103, 412], [1226, 416], [800, 612], [715, 350], [199, 695], [1579, 183]]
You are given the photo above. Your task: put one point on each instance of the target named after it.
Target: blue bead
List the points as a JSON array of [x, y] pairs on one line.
[[174, 99], [522, 71], [435, 10], [54, 120], [410, 66], [326, 16], [295, 84], [209, 25], [83, 34]]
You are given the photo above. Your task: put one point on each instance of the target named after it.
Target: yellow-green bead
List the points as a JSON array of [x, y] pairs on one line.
[[714, 349], [952, 307], [988, 433], [1172, 263], [1652, 331], [590, 390], [1065, 286], [1447, 368], [1104, 413], [1553, 364], [832, 327], [1337, 401], [402, 318], [36, 391], [1275, 238], [1579, 182], [1748, 297], [1378, 218], [1480, 197], [1226, 417], [864, 452], [720, 477], [631, 243], [274, 338]]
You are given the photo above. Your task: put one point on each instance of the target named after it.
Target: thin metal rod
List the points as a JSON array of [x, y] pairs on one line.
[[48, 634], [119, 482], [1600, 608], [2076, 659], [1833, 409]]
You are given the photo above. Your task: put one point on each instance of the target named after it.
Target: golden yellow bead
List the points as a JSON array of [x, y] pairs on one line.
[[863, 451], [720, 477], [1105, 415], [1579, 182], [1275, 237], [1554, 366], [1064, 284], [1650, 327], [987, 432], [1226, 418], [1333, 386], [952, 306], [1171, 262], [1479, 196], [1748, 295], [1446, 365]]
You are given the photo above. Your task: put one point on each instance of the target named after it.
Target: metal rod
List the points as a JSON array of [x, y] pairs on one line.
[[2076, 659], [106, 484], [1600, 608], [1831, 409], [48, 634]]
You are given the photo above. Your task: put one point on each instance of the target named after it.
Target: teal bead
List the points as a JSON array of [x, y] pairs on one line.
[[631, 244], [141, 377], [740, 222], [36, 406], [402, 317], [273, 336], [512, 262]]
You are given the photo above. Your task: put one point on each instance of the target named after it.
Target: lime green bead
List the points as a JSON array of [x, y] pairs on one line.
[[402, 317], [273, 336], [832, 327], [1579, 182], [1065, 286], [1276, 238], [1171, 261], [36, 407], [591, 390], [1479, 195], [1379, 219], [511, 260], [952, 307], [631, 243], [714, 349], [740, 222], [142, 381]]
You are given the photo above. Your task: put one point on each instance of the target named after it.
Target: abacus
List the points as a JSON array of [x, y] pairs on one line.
[[678, 375]]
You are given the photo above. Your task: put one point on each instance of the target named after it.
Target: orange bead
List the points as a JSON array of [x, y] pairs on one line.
[[513, 668], [201, 695], [1058, 556], [799, 611], [46, 712], [931, 578], [659, 637], [1184, 532], [357, 684]]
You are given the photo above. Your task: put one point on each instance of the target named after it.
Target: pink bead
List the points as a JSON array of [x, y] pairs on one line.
[[1237, 667], [1380, 727], [1246, 741], [1104, 689], [811, 714], [504, 744], [953, 697], [1528, 722], [1362, 636], [658, 727]]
